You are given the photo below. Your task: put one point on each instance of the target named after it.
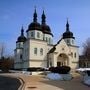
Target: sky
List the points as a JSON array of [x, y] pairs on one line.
[[17, 13]]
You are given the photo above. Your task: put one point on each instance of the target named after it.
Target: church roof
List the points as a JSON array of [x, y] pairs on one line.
[[21, 38]]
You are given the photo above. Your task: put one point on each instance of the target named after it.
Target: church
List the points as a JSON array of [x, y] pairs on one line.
[[36, 49]]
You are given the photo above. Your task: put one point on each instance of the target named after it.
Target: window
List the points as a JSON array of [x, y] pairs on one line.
[[43, 38], [32, 34], [72, 42], [46, 39], [38, 34], [41, 51], [49, 40], [35, 51], [75, 55], [19, 45], [72, 54], [68, 41], [21, 56]]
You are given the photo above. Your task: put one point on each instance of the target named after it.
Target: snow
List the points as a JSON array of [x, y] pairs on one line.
[[87, 82], [83, 69], [86, 79], [56, 76]]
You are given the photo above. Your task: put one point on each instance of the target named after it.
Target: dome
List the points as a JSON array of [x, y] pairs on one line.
[[68, 34], [46, 29], [34, 26], [21, 38]]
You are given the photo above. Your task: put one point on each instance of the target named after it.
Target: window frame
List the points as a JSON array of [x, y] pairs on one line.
[[38, 35], [35, 51], [41, 51], [32, 34]]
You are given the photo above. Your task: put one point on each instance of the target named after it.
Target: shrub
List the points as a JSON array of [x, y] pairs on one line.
[[88, 72], [60, 70], [35, 69]]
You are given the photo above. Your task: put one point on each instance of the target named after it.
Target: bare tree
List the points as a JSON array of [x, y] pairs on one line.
[[86, 49], [2, 50]]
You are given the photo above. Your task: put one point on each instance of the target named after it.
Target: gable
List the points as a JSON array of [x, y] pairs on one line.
[[62, 46]]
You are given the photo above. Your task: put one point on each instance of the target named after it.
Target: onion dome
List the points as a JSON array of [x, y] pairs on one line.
[[45, 28], [68, 33], [21, 38], [34, 25]]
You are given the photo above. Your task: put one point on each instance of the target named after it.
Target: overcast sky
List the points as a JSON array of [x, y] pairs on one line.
[[15, 13]]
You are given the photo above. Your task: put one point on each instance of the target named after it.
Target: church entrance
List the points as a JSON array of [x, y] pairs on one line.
[[62, 60]]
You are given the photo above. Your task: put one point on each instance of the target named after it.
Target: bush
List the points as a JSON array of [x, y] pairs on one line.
[[60, 70], [35, 69], [88, 72]]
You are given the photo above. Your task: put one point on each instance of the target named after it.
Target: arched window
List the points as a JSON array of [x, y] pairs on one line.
[[72, 41], [72, 54], [49, 40], [41, 51], [38, 35], [32, 34], [75, 55], [46, 39], [68, 41], [35, 51], [20, 56]]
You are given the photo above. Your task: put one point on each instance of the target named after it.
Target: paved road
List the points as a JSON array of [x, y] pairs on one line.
[[9, 83]]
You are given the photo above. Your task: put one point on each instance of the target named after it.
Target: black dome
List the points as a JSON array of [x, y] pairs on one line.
[[34, 26], [68, 34], [46, 29], [21, 38]]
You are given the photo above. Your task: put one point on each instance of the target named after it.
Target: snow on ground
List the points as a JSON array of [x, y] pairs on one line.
[[86, 80], [82, 69], [56, 76]]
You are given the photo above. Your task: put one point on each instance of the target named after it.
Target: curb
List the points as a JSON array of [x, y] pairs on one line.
[[22, 86]]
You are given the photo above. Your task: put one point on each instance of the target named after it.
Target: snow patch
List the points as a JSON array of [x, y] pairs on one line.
[[56, 76], [87, 80]]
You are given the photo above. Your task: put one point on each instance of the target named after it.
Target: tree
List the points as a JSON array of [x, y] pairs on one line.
[[86, 49], [2, 50], [6, 64]]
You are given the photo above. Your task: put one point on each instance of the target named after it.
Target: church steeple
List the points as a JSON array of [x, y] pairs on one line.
[[67, 26], [21, 38], [68, 33], [22, 31], [43, 18], [35, 16]]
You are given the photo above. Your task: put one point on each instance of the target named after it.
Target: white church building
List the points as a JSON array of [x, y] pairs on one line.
[[36, 49]]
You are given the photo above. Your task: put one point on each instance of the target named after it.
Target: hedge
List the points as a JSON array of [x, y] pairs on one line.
[[60, 70]]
